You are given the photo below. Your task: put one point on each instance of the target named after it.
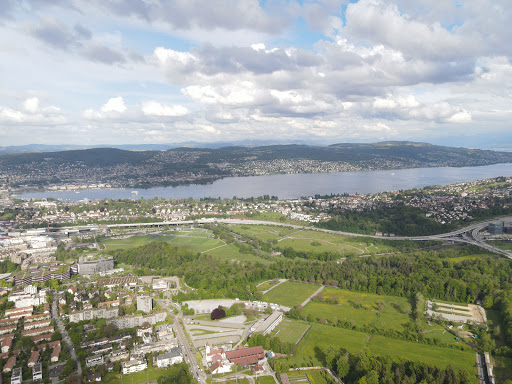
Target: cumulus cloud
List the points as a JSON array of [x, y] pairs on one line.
[[32, 113], [154, 108], [115, 104]]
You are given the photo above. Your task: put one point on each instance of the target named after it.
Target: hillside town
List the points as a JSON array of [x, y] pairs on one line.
[[445, 204]]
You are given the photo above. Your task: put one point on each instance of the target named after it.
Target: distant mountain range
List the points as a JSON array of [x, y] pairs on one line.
[[484, 142], [39, 148], [143, 168]]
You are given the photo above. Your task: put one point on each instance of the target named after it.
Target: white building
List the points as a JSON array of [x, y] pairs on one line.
[[172, 357], [132, 366], [160, 284], [270, 323], [16, 377]]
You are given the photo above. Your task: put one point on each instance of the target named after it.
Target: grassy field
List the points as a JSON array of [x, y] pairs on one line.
[[231, 253], [388, 318], [289, 331], [469, 257], [150, 374], [290, 293], [503, 244], [313, 241], [195, 239], [263, 232], [264, 380], [328, 242], [367, 301], [312, 348], [267, 285], [313, 376]]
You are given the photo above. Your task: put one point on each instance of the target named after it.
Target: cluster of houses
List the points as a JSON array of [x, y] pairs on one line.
[[106, 351]]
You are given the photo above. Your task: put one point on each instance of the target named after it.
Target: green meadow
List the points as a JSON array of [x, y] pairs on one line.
[[290, 293]]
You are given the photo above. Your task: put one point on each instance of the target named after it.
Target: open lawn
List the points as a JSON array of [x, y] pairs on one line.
[[311, 350], [290, 293], [315, 241], [289, 331], [367, 301], [388, 318], [197, 240], [150, 374], [313, 376], [263, 232], [267, 285], [231, 253], [435, 331], [264, 380]]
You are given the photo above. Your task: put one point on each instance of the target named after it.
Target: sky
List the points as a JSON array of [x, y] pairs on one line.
[[92, 72]]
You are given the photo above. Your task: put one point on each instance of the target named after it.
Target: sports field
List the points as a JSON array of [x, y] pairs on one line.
[[289, 331], [290, 293], [320, 337]]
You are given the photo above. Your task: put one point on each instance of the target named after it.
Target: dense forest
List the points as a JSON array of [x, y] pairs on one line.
[[431, 273]]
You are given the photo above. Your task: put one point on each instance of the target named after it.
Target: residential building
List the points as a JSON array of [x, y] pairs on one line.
[[174, 356], [144, 303], [94, 360], [132, 366], [37, 372], [16, 377], [93, 265]]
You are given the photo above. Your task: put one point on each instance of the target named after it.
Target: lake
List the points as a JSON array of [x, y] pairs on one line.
[[292, 186]]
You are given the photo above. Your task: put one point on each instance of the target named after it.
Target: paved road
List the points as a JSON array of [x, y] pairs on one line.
[[65, 336], [188, 354]]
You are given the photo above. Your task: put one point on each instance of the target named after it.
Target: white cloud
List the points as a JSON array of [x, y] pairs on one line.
[[31, 104], [154, 108], [209, 129], [115, 104]]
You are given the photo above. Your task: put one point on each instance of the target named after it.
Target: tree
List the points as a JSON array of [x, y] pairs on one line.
[[109, 330], [342, 365], [73, 378]]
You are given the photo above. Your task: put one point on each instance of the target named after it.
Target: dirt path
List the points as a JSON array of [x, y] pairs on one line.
[[313, 295]]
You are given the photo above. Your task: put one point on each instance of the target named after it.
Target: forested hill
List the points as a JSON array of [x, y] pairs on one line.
[[186, 165]]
